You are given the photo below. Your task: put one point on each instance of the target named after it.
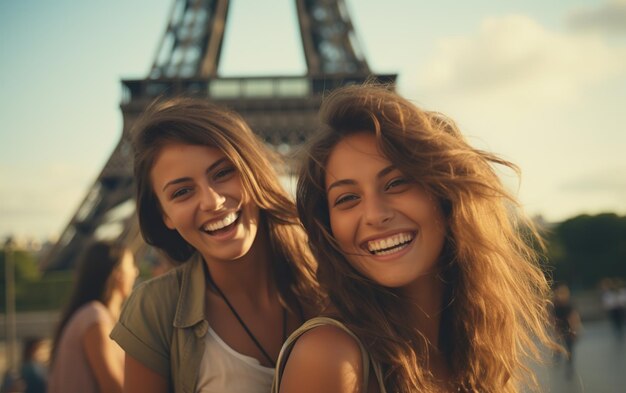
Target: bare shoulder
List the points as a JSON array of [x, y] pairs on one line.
[[327, 341], [326, 359]]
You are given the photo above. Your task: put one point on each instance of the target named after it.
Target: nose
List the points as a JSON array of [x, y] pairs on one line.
[[211, 199], [377, 211]]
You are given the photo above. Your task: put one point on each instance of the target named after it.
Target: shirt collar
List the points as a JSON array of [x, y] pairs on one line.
[[190, 307]]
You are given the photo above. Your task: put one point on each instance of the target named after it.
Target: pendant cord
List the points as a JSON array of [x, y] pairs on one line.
[[245, 327]]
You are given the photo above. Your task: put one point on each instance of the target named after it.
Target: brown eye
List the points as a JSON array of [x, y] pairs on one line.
[[181, 192], [345, 199], [224, 173], [399, 181]]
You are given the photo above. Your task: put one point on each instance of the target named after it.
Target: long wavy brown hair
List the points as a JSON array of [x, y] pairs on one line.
[[198, 122], [495, 293]]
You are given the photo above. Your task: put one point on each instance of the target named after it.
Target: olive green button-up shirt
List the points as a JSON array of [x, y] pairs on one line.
[[162, 325]]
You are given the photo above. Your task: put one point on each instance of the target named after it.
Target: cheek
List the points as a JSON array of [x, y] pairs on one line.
[[439, 228], [235, 188], [342, 229], [169, 218], [168, 221], [439, 218], [254, 213], [165, 212], [177, 215]]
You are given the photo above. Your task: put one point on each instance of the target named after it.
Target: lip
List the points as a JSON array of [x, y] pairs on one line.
[[363, 243]]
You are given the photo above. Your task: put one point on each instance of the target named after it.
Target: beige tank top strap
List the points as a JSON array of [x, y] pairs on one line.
[[311, 324]]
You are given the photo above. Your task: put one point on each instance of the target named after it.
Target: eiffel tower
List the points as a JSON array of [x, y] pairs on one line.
[[281, 109]]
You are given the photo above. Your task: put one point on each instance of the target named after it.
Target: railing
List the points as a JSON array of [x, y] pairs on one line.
[[234, 88]]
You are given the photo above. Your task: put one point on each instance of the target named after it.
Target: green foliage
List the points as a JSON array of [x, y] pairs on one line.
[[51, 292], [32, 291], [26, 268], [585, 249]]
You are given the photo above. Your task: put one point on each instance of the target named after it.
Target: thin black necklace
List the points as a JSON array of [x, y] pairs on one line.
[[245, 327]]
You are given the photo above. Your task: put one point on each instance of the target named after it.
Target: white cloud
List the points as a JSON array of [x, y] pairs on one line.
[[513, 58], [550, 101]]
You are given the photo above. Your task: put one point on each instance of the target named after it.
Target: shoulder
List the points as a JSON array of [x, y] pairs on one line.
[[145, 327], [325, 358], [168, 281], [151, 307], [327, 342], [159, 293], [92, 309], [88, 314]]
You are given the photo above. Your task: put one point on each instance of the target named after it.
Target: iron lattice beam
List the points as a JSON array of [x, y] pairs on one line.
[[328, 38], [192, 43], [282, 110]]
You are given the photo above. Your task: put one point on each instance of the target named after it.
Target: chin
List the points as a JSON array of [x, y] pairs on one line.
[[392, 283]]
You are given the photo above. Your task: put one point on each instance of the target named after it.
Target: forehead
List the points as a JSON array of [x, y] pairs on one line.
[[174, 159], [174, 148], [356, 154], [182, 153]]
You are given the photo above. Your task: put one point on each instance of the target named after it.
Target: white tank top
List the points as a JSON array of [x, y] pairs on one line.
[[222, 369]]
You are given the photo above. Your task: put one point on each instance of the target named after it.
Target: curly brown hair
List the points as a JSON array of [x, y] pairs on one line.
[[495, 293]]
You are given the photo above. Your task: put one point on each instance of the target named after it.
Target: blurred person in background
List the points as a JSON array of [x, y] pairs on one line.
[[11, 383], [620, 289], [567, 324], [84, 358], [611, 304], [34, 368]]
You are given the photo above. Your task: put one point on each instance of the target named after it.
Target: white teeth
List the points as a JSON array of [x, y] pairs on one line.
[[224, 222], [390, 244]]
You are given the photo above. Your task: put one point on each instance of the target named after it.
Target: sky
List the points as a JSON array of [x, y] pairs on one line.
[[541, 83]]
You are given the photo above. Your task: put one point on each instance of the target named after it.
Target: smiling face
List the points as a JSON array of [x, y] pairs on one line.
[[387, 226], [202, 197]]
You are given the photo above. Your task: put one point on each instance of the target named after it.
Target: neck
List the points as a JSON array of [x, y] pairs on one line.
[[426, 302], [249, 276], [114, 304], [425, 297]]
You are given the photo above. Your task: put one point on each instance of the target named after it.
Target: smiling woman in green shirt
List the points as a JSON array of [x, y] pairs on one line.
[[208, 196]]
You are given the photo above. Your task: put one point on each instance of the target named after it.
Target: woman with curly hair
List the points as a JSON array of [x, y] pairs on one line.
[[434, 285], [209, 197]]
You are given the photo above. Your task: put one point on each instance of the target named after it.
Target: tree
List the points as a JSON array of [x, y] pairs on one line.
[[584, 249], [25, 270], [32, 291]]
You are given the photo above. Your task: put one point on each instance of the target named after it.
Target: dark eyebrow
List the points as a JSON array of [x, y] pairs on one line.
[[384, 172], [184, 179], [338, 183]]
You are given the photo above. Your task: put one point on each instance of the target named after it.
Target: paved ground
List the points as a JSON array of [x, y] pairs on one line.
[[599, 364]]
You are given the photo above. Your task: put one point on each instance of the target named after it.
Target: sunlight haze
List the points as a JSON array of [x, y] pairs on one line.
[[543, 84]]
